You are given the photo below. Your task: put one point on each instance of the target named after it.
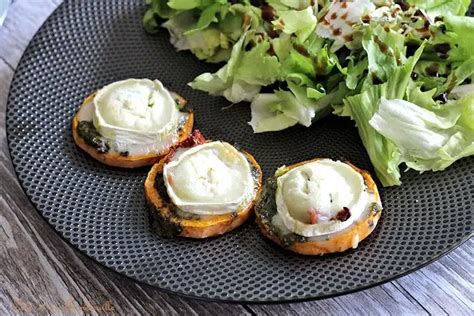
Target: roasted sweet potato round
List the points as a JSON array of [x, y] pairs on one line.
[[167, 220], [117, 159], [340, 241]]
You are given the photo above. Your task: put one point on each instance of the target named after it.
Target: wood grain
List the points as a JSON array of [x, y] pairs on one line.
[[40, 273]]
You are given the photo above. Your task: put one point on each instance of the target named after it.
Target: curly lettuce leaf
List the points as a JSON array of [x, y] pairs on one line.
[[276, 111], [354, 72], [299, 22], [192, 4], [289, 4], [208, 28], [205, 44], [443, 7], [158, 9], [295, 62], [466, 118], [244, 74], [223, 83], [460, 37], [385, 51], [257, 67], [383, 153], [206, 17], [184, 4], [426, 139], [301, 104]]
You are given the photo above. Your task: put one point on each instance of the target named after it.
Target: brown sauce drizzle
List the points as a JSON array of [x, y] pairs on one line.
[[323, 17], [337, 32], [419, 13], [411, 49], [395, 12], [442, 50], [425, 28], [268, 13], [432, 70], [349, 38], [383, 47], [301, 49], [403, 5], [376, 79], [271, 51], [398, 58]]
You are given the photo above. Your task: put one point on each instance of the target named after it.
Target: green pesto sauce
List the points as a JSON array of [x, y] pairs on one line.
[[266, 209], [374, 208], [91, 136], [162, 225]]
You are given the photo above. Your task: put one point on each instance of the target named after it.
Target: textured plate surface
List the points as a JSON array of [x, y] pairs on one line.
[[88, 44]]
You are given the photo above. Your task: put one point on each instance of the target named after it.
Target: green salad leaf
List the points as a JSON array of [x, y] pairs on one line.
[[385, 51], [245, 73], [401, 70], [459, 37], [443, 7], [426, 139], [224, 81], [208, 28], [299, 22], [157, 10], [383, 153]]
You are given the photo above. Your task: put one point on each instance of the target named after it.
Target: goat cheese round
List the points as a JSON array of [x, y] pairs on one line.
[[138, 115], [311, 197], [209, 179]]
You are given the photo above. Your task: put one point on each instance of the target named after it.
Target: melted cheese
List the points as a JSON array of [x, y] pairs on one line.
[[137, 115], [209, 179], [310, 196]]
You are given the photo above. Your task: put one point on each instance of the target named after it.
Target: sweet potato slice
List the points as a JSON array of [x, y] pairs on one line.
[[115, 159], [167, 222], [335, 242]]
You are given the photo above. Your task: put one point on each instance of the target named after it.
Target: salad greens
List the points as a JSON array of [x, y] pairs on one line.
[[401, 69], [440, 7]]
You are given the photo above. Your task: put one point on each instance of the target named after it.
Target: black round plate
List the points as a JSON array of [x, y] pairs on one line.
[[85, 45]]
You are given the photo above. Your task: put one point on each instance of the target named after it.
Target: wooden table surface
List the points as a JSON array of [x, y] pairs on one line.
[[41, 273]]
